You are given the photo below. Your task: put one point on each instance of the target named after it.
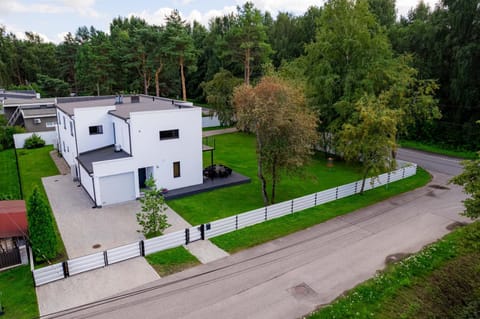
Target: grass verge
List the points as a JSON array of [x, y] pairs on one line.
[[35, 164], [438, 149], [172, 260], [276, 228], [17, 294], [9, 185], [441, 281]]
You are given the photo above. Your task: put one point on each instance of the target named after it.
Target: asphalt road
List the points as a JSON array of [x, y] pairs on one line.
[[430, 162], [291, 276]]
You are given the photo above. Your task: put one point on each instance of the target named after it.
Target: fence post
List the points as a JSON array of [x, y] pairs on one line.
[[236, 222], [266, 216], [388, 178], [141, 245], [316, 199], [356, 183], [202, 231], [187, 236], [291, 207], [403, 173], [105, 258], [65, 269], [336, 193]]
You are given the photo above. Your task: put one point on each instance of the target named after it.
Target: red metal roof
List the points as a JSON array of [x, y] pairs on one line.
[[13, 218]]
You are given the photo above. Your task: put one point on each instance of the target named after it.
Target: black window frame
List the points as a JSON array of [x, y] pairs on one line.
[[176, 170], [95, 129], [169, 134]]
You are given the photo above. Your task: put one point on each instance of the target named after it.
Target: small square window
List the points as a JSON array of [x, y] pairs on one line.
[[176, 169], [169, 134], [98, 129], [50, 124]]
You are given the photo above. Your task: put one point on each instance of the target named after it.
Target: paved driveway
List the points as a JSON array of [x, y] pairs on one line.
[[82, 226]]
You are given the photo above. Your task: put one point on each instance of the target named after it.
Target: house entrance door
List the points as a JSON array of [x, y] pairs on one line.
[[142, 177]]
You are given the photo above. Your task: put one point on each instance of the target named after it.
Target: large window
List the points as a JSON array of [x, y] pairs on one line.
[[176, 169], [168, 135], [98, 129]]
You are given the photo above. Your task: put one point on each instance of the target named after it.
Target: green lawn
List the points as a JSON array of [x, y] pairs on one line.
[[441, 281], [276, 228], [9, 186], [172, 260], [17, 294], [237, 150], [439, 149], [35, 164]]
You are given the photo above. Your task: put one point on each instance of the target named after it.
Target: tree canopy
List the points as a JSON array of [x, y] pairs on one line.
[[285, 128], [347, 48]]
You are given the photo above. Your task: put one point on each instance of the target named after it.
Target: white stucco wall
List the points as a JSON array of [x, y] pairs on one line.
[[149, 151], [50, 138], [121, 134], [86, 181], [93, 116], [69, 153]]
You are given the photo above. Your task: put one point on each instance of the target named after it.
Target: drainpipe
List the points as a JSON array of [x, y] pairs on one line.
[[129, 136], [76, 147], [94, 193]]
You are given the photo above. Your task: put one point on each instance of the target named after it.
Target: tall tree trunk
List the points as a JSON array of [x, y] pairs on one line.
[[247, 66], [274, 180], [145, 83], [365, 174], [260, 169], [182, 74], [157, 81]]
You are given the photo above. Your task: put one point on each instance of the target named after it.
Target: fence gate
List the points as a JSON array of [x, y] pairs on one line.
[[194, 233], [9, 257]]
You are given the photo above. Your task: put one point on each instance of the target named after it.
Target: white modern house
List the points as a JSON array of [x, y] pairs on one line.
[[113, 144]]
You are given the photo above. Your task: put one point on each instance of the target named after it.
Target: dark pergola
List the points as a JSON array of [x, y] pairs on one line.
[[208, 148]]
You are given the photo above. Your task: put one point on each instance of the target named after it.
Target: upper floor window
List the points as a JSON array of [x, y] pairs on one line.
[[169, 134], [98, 129], [64, 123], [71, 128]]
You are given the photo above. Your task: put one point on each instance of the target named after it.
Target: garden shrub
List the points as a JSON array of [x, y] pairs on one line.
[[34, 141]]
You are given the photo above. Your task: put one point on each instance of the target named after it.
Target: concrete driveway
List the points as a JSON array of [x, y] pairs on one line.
[[82, 226]]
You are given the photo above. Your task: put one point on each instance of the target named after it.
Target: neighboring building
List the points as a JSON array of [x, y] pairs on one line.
[[113, 144], [27, 109], [13, 232]]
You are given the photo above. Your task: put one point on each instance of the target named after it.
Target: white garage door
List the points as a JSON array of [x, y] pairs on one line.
[[117, 188]]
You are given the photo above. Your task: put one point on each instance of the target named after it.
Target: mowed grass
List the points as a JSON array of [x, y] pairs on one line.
[[280, 227], [35, 164], [172, 260], [9, 185], [439, 149], [237, 150], [17, 294]]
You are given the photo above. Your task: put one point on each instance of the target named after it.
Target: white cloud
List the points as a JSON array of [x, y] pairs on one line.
[[84, 8], [158, 17]]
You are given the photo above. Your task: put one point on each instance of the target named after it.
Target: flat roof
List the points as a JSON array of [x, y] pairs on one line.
[[28, 113], [14, 102], [102, 154], [122, 110]]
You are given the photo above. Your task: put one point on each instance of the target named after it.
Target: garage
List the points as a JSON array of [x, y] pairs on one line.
[[117, 188]]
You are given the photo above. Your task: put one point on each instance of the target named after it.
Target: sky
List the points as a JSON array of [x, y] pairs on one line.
[[52, 19]]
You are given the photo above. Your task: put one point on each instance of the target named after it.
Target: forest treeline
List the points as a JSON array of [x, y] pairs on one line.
[[440, 46]]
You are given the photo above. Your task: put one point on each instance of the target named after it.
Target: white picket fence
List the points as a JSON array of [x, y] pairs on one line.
[[212, 229]]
